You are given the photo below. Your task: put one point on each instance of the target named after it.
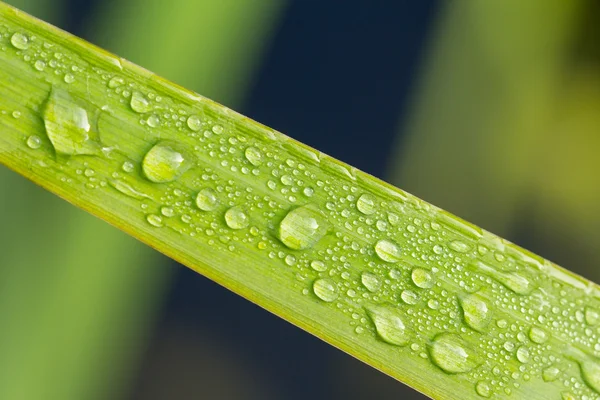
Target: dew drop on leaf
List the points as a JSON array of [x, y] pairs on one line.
[[476, 312], [371, 281], [207, 199], [422, 278], [452, 354], [325, 289], [165, 162], [139, 103], [236, 218], [389, 324], [366, 204], [302, 227], [388, 251], [20, 41]]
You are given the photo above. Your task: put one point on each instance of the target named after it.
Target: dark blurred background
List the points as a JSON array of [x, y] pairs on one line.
[[489, 109]]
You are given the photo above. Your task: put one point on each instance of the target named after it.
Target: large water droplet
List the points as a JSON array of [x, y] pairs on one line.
[[318, 266], [523, 354], [207, 199], [476, 312], [409, 297], [139, 103], [194, 123], [34, 142], [236, 218], [302, 227], [592, 317], [388, 251], [371, 281], [452, 354], [68, 127], [155, 220], [422, 278], [459, 247], [366, 204], [20, 41], [511, 280], [254, 156], [483, 389], [127, 189], [550, 374], [165, 162], [589, 366], [538, 335], [325, 289], [389, 324]]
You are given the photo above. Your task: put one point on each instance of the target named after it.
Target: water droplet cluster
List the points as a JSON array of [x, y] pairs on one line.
[[404, 274]]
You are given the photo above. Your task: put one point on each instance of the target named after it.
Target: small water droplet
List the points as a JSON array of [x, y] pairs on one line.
[[371, 281], [68, 127], [34, 142], [550, 374], [366, 204], [236, 218], [139, 103], [422, 278], [592, 317], [194, 123], [308, 191], [325, 289], [409, 297], [302, 227], [389, 324], [155, 220], [16, 114], [523, 354], [318, 266], [254, 156], [388, 251], [217, 129], [476, 312], [165, 162], [538, 335], [459, 247], [483, 389], [207, 199], [69, 78], [20, 41], [452, 354], [287, 180]]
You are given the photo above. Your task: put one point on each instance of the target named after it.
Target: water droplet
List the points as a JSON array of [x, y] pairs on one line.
[[236, 218], [589, 366], [476, 312], [538, 335], [40, 65], [483, 389], [165, 162], [16, 114], [302, 227], [69, 78], [254, 156], [366, 204], [153, 121], [523, 354], [318, 266], [568, 396], [388, 251], [155, 220], [422, 278], [325, 289], [511, 280], [20, 41], [34, 142], [592, 317], [68, 127], [167, 211], [287, 180], [409, 297], [128, 166], [550, 374], [371, 281], [217, 129], [459, 247], [452, 354], [194, 123], [127, 189], [139, 103], [389, 324], [308, 191], [116, 82], [207, 199]]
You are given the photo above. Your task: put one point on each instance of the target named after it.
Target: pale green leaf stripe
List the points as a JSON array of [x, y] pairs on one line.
[[433, 301]]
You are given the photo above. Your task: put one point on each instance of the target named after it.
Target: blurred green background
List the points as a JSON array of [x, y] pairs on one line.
[[489, 109]]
